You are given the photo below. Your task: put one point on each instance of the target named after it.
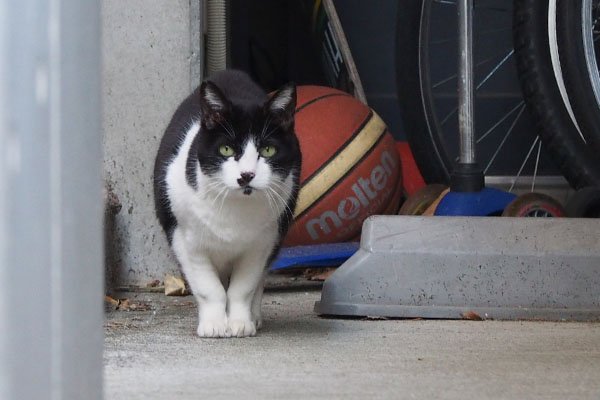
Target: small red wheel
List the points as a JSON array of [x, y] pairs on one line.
[[534, 205]]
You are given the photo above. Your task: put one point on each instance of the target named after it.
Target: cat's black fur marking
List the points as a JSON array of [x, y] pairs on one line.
[[232, 110]]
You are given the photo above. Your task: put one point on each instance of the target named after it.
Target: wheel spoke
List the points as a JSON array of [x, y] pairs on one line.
[[498, 123], [510, 53], [537, 162], [504, 140], [451, 113], [481, 63], [501, 120], [537, 138], [447, 117]]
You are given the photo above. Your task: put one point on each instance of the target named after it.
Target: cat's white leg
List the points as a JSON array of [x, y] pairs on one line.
[[206, 287], [246, 279], [212, 301], [257, 303]]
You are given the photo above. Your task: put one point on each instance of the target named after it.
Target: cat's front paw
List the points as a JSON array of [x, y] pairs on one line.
[[241, 328], [213, 329]]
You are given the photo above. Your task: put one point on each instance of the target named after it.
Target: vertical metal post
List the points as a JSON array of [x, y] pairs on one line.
[[467, 176], [50, 200], [465, 87]]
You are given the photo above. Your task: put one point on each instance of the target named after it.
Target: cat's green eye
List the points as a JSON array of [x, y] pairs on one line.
[[268, 151], [226, 151]]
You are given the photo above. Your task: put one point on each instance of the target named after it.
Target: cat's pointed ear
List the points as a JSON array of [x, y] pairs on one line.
[[283, 105], [214, 104]]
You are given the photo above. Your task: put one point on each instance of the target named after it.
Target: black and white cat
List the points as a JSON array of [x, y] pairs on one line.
[[225, 186]]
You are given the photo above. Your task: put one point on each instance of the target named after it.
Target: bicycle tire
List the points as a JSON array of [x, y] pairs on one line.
[[427, 150], [542, 95], [584, 203], [576, 71]]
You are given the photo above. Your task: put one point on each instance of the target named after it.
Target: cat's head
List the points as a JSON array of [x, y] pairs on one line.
[[248, 147]]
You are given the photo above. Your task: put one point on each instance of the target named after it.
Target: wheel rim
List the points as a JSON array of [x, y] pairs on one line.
[[590, 33], [539, 212], [556, 68], [502, 133]]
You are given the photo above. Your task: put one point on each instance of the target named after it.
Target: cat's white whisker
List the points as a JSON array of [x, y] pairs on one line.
[[224, 193], [222, 202], [227, 129], [272, 204], [284, 206], [265, 127], [212, 189], [268, 135], [230, 126], [282, 186]]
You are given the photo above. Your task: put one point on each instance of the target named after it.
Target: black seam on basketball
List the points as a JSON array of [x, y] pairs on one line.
[[342, 147], [303, 106], [307, 209]]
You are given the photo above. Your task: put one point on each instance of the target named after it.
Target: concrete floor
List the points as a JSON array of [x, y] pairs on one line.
[[154, 354]]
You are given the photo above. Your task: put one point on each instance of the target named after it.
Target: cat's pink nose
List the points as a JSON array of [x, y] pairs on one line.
[[245, 179]]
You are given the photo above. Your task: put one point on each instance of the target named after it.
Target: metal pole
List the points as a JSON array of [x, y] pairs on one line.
[[467, 176], [465, 87]]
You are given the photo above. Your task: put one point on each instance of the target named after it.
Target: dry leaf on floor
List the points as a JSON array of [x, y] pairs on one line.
[[470, 315], [126, 304], [111, 302], [175, 286], [318, 274]]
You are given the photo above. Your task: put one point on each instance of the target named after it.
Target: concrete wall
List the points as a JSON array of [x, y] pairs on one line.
[[151, 53]]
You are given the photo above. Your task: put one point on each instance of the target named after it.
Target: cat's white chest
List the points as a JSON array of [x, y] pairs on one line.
[[236, 224], [216, 220]]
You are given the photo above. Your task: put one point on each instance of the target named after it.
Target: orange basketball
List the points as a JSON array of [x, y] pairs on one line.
[[350, 167]]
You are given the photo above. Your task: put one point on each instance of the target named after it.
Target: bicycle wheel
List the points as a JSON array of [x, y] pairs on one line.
[[541, 78], [577, 33], [508, 148]]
